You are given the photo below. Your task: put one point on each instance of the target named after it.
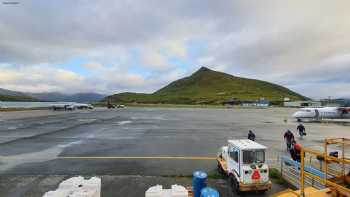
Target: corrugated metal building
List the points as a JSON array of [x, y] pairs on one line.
[[302, 104]]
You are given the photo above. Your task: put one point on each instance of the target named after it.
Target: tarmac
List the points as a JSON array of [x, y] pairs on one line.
[[132, 149]]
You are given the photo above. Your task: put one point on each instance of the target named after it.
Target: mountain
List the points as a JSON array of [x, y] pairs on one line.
[[8, 95], [210, 87], [79, 97]]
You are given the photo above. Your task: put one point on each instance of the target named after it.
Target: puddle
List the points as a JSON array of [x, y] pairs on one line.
[[268, 122], [124, 122], [87, 120], [70, 144], [91, 136], [159, 118], [8, 162]]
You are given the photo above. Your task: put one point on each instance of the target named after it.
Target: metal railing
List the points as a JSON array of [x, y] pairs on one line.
[[337, 180], [290, 172]]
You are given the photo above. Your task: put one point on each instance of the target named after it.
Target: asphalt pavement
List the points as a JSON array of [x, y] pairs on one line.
[[145, 142]]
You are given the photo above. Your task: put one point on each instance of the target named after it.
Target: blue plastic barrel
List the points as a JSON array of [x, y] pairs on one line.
[[209, 192], [199, 182]]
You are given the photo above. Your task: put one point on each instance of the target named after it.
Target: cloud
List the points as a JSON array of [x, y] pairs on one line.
[[39, 79], [130, 45], [92, 66], [155, 61]]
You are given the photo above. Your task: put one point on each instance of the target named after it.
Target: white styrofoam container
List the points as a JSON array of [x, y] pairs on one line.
[[175, 191], [155, 191], [77, 187], [178, 191]]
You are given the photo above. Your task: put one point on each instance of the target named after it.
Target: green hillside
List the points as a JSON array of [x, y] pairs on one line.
[[8, 95], [210, 87], [16, 98]]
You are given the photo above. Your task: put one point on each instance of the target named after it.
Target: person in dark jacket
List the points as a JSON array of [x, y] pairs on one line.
[[295, 152], [289, 138], [301, 130], [251, 135]]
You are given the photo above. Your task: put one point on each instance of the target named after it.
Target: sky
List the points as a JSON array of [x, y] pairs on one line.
[[128, 45]]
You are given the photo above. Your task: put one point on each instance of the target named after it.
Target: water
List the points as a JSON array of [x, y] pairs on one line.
[[15, 104]]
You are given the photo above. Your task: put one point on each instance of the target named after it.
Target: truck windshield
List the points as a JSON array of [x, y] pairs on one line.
[[253, 156]]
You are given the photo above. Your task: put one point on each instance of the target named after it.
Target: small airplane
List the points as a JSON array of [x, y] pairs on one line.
[[83, 106], [314, 114], [71, 107], [57, 107]]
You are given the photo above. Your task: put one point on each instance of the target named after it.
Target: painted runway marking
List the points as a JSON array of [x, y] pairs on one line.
[[156, 158], [129, 158]]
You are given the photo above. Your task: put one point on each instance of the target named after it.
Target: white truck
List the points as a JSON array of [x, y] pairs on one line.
[[243, 161]]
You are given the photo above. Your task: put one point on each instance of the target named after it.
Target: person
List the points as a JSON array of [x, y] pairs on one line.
[[251, 135], [301, 130], [295, 152], [289, 138]]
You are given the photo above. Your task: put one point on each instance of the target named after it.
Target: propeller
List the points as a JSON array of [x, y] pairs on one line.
[[344, 110]]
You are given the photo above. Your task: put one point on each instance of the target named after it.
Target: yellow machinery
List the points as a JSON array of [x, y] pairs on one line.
[[336, 178], [308, 191]]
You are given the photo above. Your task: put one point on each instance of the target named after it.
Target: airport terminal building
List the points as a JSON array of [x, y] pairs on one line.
[[302, 104]]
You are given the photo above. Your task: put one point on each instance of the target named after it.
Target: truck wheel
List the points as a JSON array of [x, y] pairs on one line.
[[230, 186], [236, 187], [263, 191], [233, 185]]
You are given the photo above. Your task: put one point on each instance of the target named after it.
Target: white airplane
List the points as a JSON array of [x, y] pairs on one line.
[[83, 106], [322, 113], [62, 106], [70, 106]]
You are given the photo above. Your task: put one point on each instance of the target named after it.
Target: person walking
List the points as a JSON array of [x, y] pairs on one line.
[[251, 135], [295, 152], [301, 130], [289, 138]]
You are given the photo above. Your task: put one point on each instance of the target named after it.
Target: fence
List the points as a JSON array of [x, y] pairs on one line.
[[290, 171]]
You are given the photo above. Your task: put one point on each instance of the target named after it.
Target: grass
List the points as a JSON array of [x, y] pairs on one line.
[[211, 175], [208, 87], [174, 106], [16, 98], [275, 176], [18, 109], [160, 105]]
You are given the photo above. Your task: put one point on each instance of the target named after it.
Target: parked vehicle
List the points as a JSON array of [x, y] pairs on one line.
[[83, 106], [70, 107], [243, 161], [65, 107], [110, 106], [120, 106]]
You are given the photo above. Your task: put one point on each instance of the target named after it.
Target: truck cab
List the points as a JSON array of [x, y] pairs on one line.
[[244, 162]]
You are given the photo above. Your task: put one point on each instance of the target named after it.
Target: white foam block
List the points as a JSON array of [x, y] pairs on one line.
[[175, 191], [77, 187]]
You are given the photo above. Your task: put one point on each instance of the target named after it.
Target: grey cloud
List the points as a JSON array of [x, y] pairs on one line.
[[38, 31], [279, 41]]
